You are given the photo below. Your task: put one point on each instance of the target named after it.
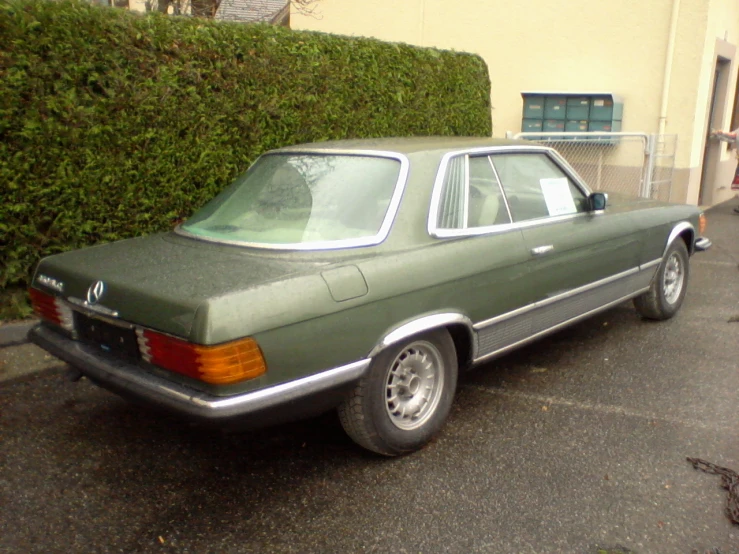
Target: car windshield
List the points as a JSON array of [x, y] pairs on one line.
[[301, 199]]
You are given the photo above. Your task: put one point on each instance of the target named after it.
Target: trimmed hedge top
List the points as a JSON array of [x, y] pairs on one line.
[[114, 124]]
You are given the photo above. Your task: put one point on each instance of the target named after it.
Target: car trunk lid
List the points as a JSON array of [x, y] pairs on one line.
[[160, 281]]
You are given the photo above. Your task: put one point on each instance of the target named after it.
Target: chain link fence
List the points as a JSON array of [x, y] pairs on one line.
[[635, 164]]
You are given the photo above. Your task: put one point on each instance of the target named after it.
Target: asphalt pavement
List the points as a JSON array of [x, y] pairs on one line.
[[575, 444]]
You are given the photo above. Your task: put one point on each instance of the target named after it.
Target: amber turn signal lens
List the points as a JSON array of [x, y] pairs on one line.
[[223, 364], [702, 223], [231, 362]]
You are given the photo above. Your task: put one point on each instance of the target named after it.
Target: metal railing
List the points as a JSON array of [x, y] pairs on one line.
[[637, 164]]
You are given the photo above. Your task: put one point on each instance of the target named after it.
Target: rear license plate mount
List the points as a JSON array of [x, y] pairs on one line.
[[112, 339]]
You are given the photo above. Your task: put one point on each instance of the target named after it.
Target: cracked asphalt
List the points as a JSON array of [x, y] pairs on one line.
[[573, 444]]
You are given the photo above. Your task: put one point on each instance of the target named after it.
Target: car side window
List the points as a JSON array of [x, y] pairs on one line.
[[536, 187], [452, 206], [471, 195], [486, 203]]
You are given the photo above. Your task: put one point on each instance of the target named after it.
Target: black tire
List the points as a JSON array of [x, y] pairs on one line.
[[663, 301], [400, 424]]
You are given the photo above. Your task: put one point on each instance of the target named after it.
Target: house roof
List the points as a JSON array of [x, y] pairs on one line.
[[250, 10]]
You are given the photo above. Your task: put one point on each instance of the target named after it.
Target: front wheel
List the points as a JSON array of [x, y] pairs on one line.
[[405, 397], [667, 292]]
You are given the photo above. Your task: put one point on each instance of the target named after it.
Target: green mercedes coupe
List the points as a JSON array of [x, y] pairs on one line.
[[359, 275]]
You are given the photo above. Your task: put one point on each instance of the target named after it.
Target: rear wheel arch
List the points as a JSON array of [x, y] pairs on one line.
[[464, 344], [457, 324]]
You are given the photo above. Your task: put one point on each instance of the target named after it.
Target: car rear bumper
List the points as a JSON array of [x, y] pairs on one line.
[[283, 402], [702, 244]]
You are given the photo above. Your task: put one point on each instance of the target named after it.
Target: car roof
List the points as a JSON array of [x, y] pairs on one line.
[[404, 145]]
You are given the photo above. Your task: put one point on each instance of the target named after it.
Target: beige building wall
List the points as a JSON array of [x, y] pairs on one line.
[[712, 164], [580, 46]]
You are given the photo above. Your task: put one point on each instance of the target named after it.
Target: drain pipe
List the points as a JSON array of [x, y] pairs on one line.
[[668, 67]]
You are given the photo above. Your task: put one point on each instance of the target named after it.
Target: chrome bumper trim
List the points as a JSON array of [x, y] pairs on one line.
[[702, 244], [136, 382]]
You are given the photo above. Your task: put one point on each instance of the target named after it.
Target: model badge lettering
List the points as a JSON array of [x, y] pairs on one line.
[[51, 282], [95, 292]]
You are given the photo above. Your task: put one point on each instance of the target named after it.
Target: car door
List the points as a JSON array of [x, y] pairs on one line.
[[579, 259], [490, 254]]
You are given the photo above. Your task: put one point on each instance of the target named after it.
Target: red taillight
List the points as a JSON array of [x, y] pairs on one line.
[[221, 364], [52, 309]]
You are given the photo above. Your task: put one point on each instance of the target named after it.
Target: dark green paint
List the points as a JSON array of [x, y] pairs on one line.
[[311, 311]]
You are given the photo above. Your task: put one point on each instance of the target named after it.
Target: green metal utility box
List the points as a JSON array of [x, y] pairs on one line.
[[554, 125], [606, 126], [555, 107], [545, 111], [605, 108], [578, 107], [532, 125], [577, 126], [533, 107]]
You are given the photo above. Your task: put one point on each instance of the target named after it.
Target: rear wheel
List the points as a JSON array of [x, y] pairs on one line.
[[670, 283], [405, 397]]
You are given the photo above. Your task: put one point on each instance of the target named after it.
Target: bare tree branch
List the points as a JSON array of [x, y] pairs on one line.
[[209, 8], [305, 7]]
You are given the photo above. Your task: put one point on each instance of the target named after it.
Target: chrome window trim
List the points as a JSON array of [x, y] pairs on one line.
[[503, 227], [431, 224], [475, 231], [466, 199], [570, 171], [502, 191], [436, 232], [373, 240]]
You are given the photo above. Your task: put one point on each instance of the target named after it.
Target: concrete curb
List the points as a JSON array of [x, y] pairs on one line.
[[15, 333]]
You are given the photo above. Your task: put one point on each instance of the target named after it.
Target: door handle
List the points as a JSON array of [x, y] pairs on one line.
[[540, 250]]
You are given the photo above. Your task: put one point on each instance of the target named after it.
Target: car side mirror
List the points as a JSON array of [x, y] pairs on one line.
[[597, 201]]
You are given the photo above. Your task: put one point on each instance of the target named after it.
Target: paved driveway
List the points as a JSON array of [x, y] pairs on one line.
[[574, 444]]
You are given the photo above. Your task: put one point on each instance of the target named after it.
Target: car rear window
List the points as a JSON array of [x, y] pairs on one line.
[[303, 200]]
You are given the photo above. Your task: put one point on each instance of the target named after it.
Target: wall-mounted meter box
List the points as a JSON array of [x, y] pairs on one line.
[[555, 107], [532, 125], [533, 107], [571, 111]]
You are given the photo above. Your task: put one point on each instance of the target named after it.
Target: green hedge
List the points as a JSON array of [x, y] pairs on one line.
[[114, 124]]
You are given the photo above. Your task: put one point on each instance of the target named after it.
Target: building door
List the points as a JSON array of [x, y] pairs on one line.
[[712, 148]]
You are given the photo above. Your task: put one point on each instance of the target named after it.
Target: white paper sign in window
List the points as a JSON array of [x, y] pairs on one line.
[[558, 196]]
